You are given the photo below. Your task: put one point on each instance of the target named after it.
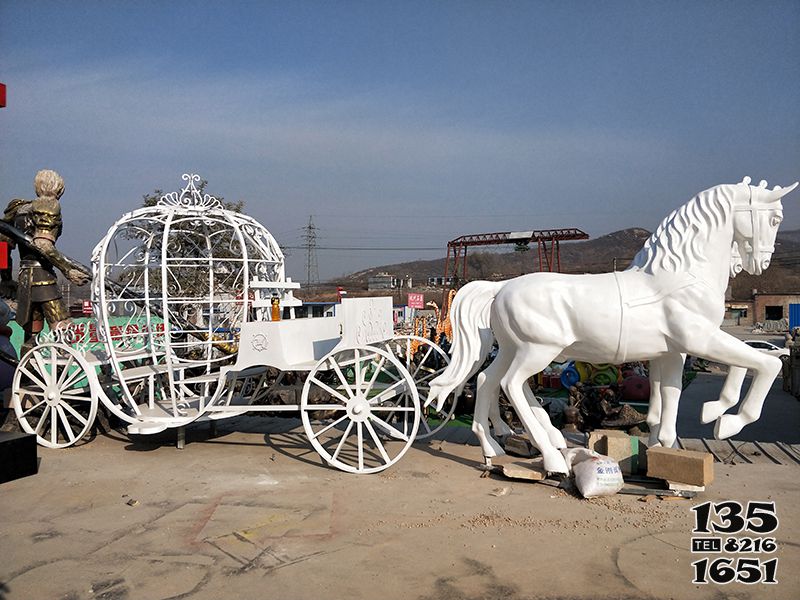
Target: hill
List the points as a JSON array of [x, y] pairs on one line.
[[597, 255]]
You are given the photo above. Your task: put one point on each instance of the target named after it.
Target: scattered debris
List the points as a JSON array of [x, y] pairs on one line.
[[531, 471], [518, 445], [132, 502], [502, 491]]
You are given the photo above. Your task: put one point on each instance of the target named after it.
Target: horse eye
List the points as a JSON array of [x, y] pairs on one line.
[[776, 221]]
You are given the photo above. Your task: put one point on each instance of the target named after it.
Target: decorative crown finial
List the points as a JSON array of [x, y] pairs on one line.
[[190, 196]]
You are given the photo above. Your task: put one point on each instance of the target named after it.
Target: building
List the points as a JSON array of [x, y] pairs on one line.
[[763, 308]]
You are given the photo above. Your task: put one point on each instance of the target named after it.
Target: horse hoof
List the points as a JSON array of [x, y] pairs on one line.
[[727, 425], [711, 412], [555, 463]]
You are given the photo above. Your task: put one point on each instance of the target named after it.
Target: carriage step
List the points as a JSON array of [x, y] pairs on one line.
[[147, 428]]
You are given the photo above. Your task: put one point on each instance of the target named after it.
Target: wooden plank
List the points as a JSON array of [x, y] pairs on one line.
[[754, 454], [698, 446], [767, 453], [787, 450]]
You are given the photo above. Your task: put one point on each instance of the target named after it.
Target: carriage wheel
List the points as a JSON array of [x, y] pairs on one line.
[[367, 424], [425, 361], [53, 395]]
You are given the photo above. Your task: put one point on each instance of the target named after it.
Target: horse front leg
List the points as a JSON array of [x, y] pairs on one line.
[[731, 389], [669, 372], [721, 347]]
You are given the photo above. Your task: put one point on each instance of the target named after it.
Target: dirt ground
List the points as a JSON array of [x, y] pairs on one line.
[[250, 514]]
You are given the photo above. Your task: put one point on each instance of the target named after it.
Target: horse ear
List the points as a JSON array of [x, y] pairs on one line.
[[778, 192]]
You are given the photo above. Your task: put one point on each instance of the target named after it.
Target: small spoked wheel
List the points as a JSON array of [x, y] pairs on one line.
[[53, 395], [425, 361], [360, 409]]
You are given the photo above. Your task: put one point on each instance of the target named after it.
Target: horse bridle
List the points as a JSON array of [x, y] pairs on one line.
[[755, 222]]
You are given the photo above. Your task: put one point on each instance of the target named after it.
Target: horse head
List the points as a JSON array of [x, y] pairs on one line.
[[758, 214]]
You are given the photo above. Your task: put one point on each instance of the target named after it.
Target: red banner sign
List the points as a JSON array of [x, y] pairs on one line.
[[416, 301]]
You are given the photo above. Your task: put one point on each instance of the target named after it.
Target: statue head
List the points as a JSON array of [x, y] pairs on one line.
[[755, 224], [48, 184]]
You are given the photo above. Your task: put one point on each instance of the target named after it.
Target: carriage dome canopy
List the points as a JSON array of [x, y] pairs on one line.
[[183, 275]]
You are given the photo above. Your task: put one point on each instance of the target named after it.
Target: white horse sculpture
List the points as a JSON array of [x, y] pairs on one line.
[[670, 302]]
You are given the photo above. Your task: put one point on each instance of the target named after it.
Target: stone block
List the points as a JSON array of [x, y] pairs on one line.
[[682, 466], [618, 445]]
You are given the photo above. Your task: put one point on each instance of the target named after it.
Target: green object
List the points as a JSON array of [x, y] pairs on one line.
[[634, 453]]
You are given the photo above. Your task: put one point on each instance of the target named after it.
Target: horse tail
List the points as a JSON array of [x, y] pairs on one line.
[[472, 338]]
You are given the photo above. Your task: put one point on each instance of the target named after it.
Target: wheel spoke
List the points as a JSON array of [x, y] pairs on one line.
[[360, 445], [327, 388], [422, 362], [377, 441], [28, 392], [329, 427], [359, 371], [375, 376], [326, 407], [73, 379], [391, 375], [342, 441], [37, 356], [385, 394], [390, 429], [65, 372], [53, 427], [33, 377], [42, 419], [79, 398], [66, 425], [424, 422], [75, 413], [32, 408], [342, 378], [392, 408]]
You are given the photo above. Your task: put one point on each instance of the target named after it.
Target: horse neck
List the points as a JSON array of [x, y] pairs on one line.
[[714, 269]]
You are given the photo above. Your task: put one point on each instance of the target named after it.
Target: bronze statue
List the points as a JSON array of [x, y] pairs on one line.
[[38, 296]]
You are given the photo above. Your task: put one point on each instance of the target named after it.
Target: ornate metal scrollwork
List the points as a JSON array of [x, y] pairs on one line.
[[190, 196]]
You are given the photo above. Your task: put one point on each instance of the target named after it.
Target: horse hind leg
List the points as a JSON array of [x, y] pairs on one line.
[[501, 428], [556, 437], [486, 394], [654, 407], [527, 361], [669, 369]]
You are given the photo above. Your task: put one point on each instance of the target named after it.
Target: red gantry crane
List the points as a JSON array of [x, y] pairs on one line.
[[547, 241]]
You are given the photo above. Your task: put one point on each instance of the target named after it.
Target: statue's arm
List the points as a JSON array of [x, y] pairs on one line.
[[46, 215]]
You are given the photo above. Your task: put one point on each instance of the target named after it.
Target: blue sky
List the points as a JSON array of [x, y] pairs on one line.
[[403, 124]]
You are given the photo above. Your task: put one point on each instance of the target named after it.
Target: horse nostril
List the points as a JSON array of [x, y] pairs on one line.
[[764, 264]]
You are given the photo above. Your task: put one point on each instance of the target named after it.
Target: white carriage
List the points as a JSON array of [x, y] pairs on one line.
[[196, 321]]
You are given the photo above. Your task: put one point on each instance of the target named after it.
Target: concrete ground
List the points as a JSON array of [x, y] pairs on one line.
[[253, 513]]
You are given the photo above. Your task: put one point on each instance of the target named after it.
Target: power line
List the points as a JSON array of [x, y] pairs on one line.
[[360, 248]]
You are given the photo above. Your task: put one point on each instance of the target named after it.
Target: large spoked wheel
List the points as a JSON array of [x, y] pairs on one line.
[[354, 411], [425, 361], [54, 395]]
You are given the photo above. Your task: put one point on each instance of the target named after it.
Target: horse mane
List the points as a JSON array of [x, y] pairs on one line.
[[678, 241]]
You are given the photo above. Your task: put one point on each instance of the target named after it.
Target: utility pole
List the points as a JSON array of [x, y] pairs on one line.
[[310, 239]]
